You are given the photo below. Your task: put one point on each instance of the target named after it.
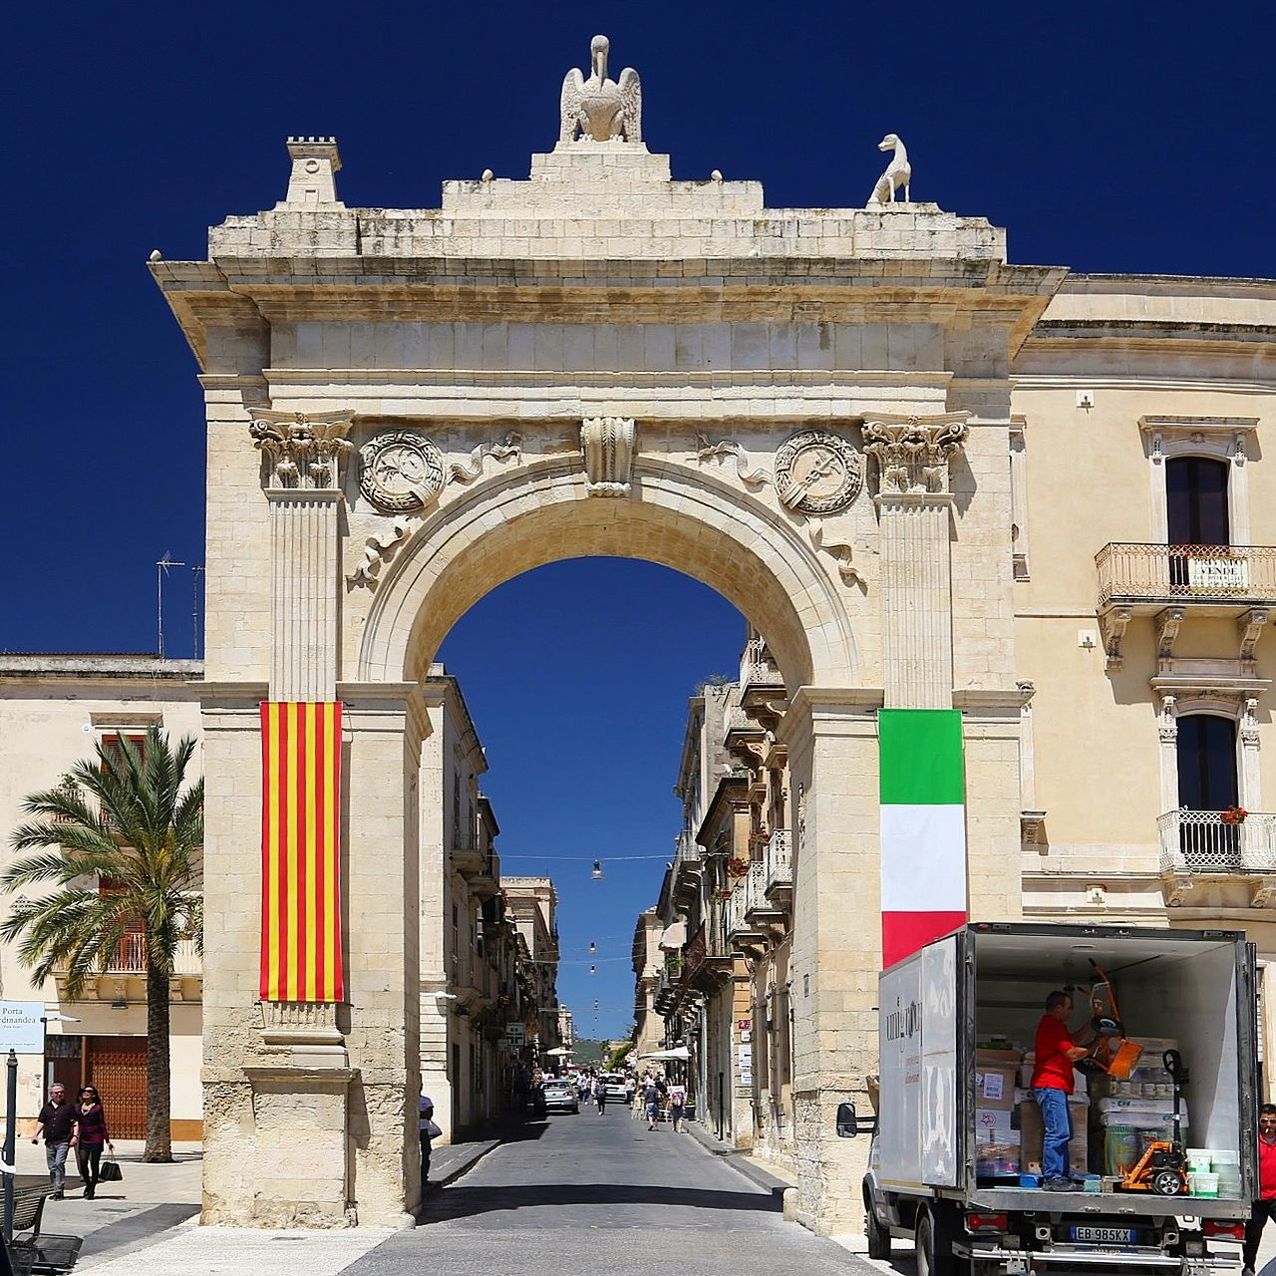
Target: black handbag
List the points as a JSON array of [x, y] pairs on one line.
[[109, 1171]]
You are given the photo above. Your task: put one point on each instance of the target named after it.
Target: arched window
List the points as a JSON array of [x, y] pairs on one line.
[[1207, 762], [1196, 501]]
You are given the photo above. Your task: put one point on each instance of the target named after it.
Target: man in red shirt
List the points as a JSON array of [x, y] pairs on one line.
[[1056, 1052], [1265, 1206]]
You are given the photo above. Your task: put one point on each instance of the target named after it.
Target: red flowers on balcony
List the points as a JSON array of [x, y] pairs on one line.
[[1233, 814]]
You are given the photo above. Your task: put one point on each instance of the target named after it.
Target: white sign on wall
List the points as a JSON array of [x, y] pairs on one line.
[[20, 1027]]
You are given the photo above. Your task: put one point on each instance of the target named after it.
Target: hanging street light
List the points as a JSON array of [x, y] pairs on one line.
[[597, 874]]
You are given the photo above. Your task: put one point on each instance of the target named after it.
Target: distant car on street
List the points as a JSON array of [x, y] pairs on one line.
[[614, 1085], [560, 1096]]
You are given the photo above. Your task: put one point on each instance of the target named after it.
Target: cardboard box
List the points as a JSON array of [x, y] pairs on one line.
[[995, 1125], [1032, 1135], [995, 1086]]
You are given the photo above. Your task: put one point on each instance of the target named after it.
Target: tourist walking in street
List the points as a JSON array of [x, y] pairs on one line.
[[600, 1093], [56, 1122], [651, 1099], [92, 1137], [677, 1103]]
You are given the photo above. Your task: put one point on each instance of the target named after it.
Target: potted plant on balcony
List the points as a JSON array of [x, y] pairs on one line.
[[1233, 814], [737, 866], [130, 818]]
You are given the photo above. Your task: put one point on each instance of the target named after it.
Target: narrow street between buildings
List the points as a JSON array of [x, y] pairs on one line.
[[603, 1194]]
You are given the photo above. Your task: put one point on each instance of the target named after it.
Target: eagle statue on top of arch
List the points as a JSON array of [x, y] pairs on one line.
[[597, 107]]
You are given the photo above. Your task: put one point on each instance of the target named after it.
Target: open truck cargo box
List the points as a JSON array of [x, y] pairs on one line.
[[987, 982]]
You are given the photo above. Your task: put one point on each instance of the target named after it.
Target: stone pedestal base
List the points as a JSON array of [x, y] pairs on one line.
[[301, 1152]]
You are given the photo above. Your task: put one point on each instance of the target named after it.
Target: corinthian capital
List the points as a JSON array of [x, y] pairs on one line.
[[305, 450], [912, 452]]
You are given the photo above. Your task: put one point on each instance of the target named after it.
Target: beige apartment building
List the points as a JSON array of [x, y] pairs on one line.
[[54, 709]]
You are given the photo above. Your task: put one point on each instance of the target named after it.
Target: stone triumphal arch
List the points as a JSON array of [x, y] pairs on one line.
[[806, 409]]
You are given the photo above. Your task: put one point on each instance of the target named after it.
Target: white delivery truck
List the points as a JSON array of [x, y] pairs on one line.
[[955, 1160]]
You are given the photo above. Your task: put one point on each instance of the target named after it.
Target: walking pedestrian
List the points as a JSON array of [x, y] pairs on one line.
[[600, 1093], [93, 1136], [651, 1099], [429, 1132], [57, 1123], [677, 1103]]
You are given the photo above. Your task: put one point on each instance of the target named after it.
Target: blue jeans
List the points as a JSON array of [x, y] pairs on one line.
[[1056, 1117], [55, 1159]]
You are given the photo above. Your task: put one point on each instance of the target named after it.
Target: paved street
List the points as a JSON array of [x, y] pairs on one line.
[[601, 1194]]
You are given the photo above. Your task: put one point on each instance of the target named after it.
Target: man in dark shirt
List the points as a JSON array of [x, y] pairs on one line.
[[58, 1123]]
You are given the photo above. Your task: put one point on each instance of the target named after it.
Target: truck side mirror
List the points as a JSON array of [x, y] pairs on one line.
[[847, 1121]]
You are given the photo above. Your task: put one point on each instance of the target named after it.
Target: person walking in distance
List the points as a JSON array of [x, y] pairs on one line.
[[677, 1104], [93, 1136], [600, 1093], [57, 1123], [651, 1099], [1265, 1206], [429, 1132]]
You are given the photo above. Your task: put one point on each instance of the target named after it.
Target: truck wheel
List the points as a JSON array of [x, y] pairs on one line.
[[934, 1247], [879, 1239]]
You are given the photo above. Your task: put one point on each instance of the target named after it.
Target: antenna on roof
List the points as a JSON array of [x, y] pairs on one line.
[[161, 571]]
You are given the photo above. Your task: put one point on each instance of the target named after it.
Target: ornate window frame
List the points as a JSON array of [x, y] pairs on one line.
[[1239, 703], [1221, 438]]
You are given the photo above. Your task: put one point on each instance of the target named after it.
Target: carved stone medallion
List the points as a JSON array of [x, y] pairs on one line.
[[401, 471], [817, 472]]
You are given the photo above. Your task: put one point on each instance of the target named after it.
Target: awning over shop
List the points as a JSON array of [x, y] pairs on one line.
[[677, 1052]]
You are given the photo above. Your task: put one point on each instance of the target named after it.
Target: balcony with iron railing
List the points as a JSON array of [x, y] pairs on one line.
[[1217, 842], [778, 859], [1159, 575], [1173, 582], [124, 976], [758, 667]]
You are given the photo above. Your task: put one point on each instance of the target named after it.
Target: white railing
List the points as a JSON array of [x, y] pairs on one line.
[[758, 667], [735, 909], [1240, 573], [1203, 842], [130, 957], [778, 859], [755, 887]]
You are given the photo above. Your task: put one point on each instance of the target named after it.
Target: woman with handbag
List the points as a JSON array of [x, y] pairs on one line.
[[92, 1136]]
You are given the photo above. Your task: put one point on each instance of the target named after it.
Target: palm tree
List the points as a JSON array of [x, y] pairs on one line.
[[118, 845]]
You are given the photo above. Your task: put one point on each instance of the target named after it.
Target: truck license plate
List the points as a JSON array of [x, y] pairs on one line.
[[1105, 1235]]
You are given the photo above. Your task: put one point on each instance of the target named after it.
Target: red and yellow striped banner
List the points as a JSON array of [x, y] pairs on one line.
[[300, 852]]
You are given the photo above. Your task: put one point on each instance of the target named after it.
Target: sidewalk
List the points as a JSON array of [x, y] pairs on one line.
[[147, 1224], [125, 1216], [772, 1177]]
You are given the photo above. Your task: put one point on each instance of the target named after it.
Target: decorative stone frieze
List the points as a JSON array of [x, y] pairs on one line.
[[913, 452], [817, 472], [304, 450], [608, 444], [598, 108], [401, 471]]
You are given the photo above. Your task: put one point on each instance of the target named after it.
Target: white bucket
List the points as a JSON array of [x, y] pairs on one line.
[[1203, 1184]]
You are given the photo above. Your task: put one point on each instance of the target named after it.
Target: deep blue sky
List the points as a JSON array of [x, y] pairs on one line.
[[1113, 137]]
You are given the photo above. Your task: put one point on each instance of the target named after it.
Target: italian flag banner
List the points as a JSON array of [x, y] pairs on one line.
[[922, 783], [300, 852]]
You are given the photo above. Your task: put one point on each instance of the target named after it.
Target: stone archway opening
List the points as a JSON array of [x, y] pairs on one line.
[[755, 559]]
